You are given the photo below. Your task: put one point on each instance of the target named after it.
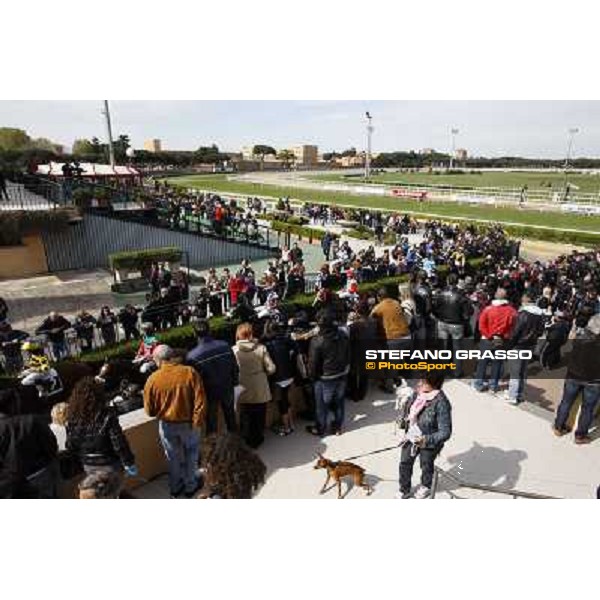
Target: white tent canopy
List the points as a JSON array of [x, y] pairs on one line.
[[54, 169]]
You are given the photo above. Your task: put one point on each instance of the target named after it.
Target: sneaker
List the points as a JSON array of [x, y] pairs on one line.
[[196, 489], [559, 432], [402, 495], [582, 439], [177, 494], [422, 493], [312, 429], [514, 401], [479, 388]]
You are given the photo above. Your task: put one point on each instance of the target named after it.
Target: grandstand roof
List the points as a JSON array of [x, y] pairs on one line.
[[54, 169]]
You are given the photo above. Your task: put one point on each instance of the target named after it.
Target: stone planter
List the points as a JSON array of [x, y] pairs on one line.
[[122, 275]]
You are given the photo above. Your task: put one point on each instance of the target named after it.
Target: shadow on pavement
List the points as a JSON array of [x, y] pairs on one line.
[[486, 465]]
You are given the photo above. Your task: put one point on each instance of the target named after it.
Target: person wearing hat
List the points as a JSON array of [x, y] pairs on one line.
[[583, 377], [175, 395], [216, 364]]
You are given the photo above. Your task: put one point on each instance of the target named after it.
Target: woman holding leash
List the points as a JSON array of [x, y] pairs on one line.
[[428, 426]]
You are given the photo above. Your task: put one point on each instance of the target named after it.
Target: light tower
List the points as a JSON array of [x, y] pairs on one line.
[[368, 155], [454, 133], [572, 133], [111, 151]]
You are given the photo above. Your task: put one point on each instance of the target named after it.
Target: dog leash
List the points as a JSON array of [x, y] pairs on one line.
[[373, 452]]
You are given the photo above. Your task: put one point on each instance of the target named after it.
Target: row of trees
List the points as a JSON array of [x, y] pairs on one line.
[[17, 140]]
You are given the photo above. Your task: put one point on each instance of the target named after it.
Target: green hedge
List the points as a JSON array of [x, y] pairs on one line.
[[139, 259], [300, 230], [582, 238]]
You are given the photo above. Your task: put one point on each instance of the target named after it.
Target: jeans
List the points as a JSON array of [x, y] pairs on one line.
[[181, 443], [456, 333], [482, 364], [408, 456], [397, 344], [590, 396], [330, 396], [59, 349], [517, 369]]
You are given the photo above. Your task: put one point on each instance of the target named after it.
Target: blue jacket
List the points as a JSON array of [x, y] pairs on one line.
[[215, 362]]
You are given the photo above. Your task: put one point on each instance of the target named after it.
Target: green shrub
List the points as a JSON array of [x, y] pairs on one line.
[[583, 238], [139, 259], [358, 235], [300, 230]]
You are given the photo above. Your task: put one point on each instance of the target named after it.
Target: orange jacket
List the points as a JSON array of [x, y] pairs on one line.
[[175, 393]]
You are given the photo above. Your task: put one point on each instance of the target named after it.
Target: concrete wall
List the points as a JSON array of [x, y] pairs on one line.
[[142, 434], [25, 260]]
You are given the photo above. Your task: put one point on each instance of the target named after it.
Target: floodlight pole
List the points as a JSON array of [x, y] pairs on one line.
[[111, 151], [453, 132], [572, 133], [368, 155]]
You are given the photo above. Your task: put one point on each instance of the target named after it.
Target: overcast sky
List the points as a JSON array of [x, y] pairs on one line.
[[486, 128]]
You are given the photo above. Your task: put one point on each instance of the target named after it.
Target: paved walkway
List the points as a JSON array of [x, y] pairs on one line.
[[493, 444]]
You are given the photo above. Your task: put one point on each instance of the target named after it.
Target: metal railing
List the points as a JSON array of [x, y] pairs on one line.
[[439, 473], [32, 195], [257, 235]]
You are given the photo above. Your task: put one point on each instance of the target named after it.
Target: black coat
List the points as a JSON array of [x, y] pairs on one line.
[[282, 351], [101, 442], [27, 445], [452, 306], [329, 354]]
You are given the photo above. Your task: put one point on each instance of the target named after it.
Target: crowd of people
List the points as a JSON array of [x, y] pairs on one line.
[[505, 302]]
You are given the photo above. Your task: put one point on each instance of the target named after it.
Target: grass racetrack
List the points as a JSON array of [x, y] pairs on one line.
[[585, 183], [554, 220]]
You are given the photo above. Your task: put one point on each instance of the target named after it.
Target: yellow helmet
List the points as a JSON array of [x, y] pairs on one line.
[[40, 363], [31, 346]]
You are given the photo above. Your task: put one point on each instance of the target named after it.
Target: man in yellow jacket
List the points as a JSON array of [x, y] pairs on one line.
[[175, 396]]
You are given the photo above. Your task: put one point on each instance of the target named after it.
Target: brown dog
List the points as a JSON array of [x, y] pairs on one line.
[[339, 470]]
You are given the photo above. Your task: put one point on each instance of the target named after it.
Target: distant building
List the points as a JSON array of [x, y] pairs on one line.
[[152, 145], [247, 152], [460, 154], [352, 161], [427, 151], [306, 155]]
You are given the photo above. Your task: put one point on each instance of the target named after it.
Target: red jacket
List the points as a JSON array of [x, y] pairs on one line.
[[497, 319]]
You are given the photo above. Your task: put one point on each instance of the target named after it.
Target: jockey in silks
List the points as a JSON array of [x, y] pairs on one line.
[[38, 371], [147, 345]]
